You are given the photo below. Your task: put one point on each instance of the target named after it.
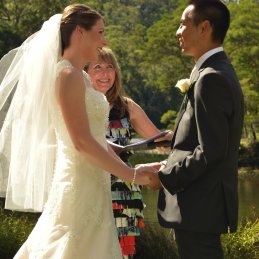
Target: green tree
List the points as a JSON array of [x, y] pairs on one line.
[[242, 45], [142, 34], [19, 19], [127, 24], [163, 64], [169, 118]]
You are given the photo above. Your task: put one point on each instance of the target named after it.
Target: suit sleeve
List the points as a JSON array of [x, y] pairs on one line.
[[212, 110]]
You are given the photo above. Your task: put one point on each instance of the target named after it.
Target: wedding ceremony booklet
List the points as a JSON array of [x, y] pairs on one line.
[[143, 144]]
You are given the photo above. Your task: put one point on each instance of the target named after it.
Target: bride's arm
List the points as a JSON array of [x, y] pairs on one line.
[[70, 94], [112, 152]]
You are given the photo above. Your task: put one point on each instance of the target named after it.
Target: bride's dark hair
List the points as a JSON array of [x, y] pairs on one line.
[[73, 15]]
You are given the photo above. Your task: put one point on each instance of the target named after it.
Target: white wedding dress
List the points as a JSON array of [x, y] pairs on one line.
[[77, 220]]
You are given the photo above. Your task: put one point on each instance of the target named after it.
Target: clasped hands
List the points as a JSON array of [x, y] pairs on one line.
[[147, 175]]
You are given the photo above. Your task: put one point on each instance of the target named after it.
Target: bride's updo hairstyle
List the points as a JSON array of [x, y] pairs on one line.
[[73, 15]]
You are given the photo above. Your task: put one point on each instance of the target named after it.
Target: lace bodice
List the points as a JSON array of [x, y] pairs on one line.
[[97, 109]]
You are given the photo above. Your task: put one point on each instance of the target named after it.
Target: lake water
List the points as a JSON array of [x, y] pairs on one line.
[[248, 201]]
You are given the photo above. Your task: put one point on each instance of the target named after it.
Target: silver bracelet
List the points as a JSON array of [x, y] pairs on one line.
[[134, 176]]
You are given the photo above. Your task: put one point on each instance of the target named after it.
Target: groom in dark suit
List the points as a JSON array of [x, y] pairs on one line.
[[198, 186]]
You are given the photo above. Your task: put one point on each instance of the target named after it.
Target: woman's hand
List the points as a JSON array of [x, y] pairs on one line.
[[168, 136], [147, 175]]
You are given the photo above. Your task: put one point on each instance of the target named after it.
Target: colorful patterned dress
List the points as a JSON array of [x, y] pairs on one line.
[[126, 198]]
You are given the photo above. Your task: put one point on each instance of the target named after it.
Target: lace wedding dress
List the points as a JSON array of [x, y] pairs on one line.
[[77, 220]]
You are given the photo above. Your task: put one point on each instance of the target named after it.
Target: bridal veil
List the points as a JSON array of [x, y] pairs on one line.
[[27, 139]]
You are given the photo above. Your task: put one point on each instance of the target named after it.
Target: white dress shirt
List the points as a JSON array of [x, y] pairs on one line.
[[205, 56]]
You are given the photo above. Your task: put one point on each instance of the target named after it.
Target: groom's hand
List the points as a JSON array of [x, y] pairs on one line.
[[144, 173], [150, 170], [155, 183]]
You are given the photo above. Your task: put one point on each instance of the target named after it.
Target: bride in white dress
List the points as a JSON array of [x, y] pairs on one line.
[[64, 174]]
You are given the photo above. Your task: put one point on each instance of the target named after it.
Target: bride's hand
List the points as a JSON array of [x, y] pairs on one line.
[[156, 165], [147, 175]]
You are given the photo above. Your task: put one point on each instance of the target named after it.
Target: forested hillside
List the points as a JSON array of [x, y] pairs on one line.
[[142, 34]]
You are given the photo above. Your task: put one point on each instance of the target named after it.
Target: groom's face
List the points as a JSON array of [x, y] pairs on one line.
[[188, 33]]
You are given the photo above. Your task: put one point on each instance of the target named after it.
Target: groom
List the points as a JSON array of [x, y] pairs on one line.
[[198, 197]]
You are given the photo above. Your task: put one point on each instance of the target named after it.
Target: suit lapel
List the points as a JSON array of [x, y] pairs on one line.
[[180, 114], [194, 77]]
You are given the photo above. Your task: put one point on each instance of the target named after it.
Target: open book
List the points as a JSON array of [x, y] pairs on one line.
[[143, 144]]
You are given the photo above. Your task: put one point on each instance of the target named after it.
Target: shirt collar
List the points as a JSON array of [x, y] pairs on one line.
[[206, 55]]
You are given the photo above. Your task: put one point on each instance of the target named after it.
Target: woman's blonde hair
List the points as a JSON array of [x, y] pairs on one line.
[[115, 94]]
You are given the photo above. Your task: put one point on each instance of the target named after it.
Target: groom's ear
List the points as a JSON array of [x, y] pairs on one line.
[[205, 28]]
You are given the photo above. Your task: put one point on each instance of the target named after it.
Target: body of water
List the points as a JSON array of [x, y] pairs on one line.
[[248, 201]]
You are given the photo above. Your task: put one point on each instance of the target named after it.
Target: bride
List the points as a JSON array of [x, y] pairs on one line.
[[54, 155]]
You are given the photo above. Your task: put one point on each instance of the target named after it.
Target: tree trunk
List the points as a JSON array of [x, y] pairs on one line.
[[253, 133]]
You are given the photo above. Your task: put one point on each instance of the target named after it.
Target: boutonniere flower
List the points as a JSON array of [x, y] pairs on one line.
[[183, 85]]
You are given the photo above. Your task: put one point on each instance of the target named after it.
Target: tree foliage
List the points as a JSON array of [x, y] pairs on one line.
[[242, 45], [142, 35]]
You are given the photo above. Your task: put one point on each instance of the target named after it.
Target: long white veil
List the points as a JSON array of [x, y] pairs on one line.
[[27, 139]]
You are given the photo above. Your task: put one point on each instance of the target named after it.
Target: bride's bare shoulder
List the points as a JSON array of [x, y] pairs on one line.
[[66, 71], [69, 82], [69, 76], [69, 73]]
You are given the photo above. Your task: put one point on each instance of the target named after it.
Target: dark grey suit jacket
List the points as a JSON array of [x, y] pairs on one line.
[[200, 179]]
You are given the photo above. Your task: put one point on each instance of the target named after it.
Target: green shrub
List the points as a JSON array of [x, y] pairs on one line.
[[14, 230], [243, 244], [156, 242], [249, 155]]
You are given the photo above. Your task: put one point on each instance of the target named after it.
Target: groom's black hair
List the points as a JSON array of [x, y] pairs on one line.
[[216, 12]]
